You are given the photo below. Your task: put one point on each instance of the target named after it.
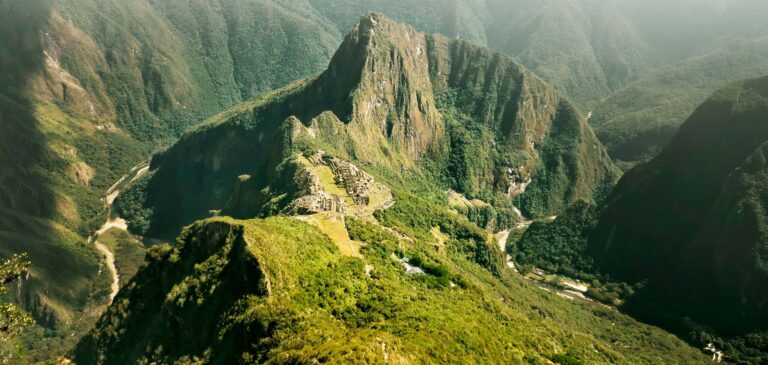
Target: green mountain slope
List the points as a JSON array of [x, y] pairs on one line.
[[692, 217], [279, 291], [48, 195], [88, 89], [395, 100]]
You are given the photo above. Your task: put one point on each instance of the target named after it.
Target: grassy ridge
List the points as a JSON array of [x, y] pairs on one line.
[[321, 305]]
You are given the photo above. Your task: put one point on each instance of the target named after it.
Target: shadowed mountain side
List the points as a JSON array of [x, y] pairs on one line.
[[664, 222], [23, 149], [31, 204], [41, 212]]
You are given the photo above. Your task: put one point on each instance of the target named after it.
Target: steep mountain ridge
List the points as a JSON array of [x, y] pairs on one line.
[[89, 88], [279, 291], [692, 216], [391, 99], [541, 140]]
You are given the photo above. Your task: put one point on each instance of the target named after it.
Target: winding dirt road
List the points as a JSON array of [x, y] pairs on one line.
[[110, 260], [136, 173]]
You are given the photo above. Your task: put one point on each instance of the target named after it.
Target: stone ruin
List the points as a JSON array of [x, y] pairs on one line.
[[358, 184], [314, 198], [311, 204]]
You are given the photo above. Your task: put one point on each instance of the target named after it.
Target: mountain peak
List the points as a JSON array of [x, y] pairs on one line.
[[374, 37], [378, 26], [381, 73], [369, 21], [398, 100]]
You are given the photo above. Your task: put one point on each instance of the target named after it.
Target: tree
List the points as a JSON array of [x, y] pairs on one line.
[[12, 318]]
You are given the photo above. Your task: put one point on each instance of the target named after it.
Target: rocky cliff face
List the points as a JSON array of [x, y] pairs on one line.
[[544, 152], [384, 69], [391, 98], [692, 217]]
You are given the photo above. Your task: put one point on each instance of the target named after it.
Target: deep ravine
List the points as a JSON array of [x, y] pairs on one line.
[[115, 222]]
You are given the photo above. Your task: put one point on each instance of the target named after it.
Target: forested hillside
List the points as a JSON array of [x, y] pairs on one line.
[[349, 251], [91, 88], [667, 220]]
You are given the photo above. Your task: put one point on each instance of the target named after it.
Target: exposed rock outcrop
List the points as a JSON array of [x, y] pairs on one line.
[[81, 173]]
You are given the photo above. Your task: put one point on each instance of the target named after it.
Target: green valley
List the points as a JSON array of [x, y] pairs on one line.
[[437, 181], [364, 246]]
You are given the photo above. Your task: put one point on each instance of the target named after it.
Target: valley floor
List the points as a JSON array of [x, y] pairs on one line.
[[116, 223]]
